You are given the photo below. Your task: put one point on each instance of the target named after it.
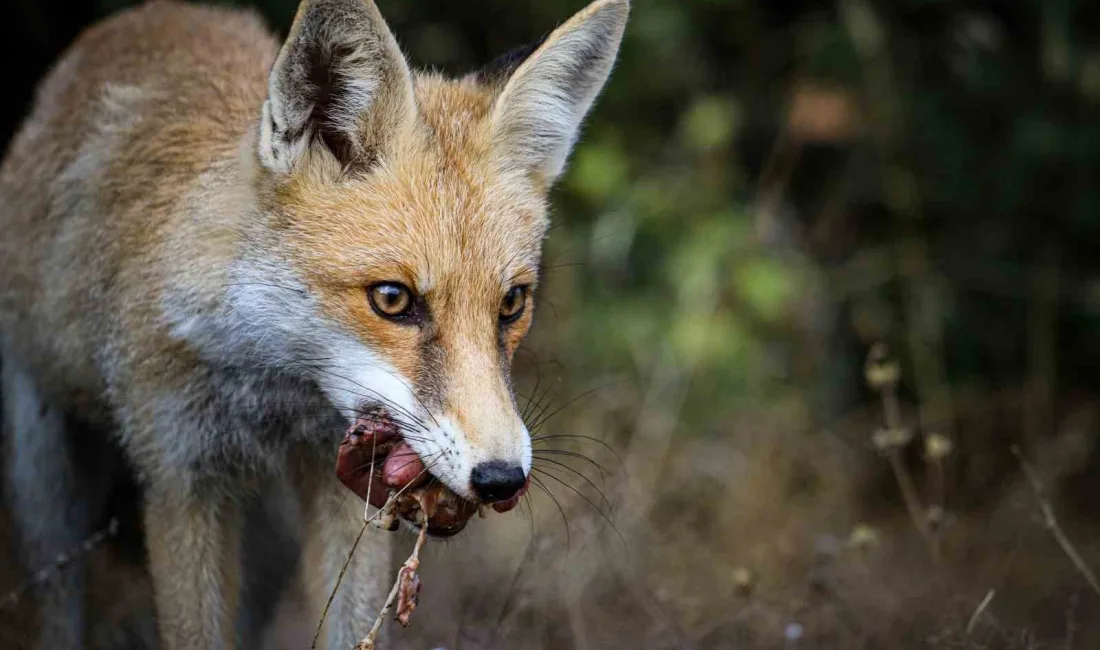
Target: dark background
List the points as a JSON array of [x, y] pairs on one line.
[[765, 190], [963, 147]]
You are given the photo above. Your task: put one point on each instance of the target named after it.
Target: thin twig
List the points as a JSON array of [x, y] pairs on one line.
[[339, 579], [60, 562], [1071, 622], [412, 563], [366, 521], [351, 553], [979, 611], [909, 492], [904, 478], [1052, 522]]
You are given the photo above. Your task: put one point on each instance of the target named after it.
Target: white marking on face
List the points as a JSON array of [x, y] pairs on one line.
[[357, 377], [275, 317]]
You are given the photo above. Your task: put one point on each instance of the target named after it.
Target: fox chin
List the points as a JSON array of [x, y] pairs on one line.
[[220, 251]]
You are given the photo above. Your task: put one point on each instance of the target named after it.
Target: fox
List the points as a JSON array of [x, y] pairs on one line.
[[219, 250]]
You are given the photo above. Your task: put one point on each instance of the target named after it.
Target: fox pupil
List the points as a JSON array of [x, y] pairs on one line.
[[511, 307], [390, 299]]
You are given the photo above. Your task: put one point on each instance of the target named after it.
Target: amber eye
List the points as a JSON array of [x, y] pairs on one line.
[[513, 303], [391, 300]]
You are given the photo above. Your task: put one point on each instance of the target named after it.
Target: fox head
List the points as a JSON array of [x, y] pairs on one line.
[[403, 217]]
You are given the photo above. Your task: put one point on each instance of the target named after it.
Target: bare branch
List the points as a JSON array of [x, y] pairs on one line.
[[1052, 522]]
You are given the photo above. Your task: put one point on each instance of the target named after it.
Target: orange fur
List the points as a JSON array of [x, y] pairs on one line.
[[191, 224]]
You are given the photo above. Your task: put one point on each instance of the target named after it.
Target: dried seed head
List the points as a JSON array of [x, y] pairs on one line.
[[863, 537], [743, 580], [888, 439], [935, 516], [937, 446], [881, 371]]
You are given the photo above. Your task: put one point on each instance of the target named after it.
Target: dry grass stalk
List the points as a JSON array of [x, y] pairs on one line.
[[407, 569], [1052, 522], [937, 447], [351, 553], [883, 375], [979, 610], [367, 519], [60, 562]]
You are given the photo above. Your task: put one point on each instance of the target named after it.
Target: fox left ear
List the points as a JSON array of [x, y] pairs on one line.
[[537, 115], [340, 83]]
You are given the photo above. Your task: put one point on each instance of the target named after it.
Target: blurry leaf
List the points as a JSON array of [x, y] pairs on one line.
[[694, 266], [715, 341], [767, 285], [599, 169], [710, 123]]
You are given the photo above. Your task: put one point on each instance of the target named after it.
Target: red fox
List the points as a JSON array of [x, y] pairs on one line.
[[221, 251]]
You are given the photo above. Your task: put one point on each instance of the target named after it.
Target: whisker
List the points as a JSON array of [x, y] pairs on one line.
[[538, 439], [572, 454], [607, 503], [542, 420], [541, 404], [430, 458], [565, 520], [375, 393], [327, 370], [404, 383], [295, 417], [526, 499], [525, 414], [599, 510], [298, 291]]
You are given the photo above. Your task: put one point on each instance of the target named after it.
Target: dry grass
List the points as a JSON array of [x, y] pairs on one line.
[[768, 538], [767, 533]]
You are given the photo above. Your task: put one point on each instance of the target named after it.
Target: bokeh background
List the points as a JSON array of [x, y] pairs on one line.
[[766, 190]]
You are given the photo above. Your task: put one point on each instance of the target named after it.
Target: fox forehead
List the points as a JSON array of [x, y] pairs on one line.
[[441, 207]]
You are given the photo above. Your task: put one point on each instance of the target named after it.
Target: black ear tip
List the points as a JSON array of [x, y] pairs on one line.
[[501, 68]]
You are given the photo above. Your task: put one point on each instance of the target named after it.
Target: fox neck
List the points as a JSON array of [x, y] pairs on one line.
[[203, 302]]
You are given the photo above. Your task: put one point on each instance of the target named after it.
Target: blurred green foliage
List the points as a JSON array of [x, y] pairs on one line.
[[767, 187]]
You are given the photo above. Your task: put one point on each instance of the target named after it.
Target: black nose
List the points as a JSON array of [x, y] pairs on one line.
[[497, 480]]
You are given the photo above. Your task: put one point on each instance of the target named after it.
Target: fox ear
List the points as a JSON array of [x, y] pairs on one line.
[[538, 113], [340, 82]]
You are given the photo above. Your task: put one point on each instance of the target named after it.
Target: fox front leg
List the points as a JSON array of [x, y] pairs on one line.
[[193, 537]]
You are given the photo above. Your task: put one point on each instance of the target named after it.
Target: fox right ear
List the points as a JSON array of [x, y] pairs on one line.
[[538, 113], [340, 84]]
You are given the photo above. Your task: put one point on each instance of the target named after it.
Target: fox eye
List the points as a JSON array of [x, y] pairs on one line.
[[513, 304], [391, 300]]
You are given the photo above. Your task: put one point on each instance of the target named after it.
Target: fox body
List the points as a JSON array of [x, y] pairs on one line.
[[220, 250]]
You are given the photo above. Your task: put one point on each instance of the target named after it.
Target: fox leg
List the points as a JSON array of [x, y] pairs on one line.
[[193, 536], [334, 518], [50, 508]]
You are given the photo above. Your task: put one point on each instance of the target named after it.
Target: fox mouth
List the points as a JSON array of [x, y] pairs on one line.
[[378, 464]]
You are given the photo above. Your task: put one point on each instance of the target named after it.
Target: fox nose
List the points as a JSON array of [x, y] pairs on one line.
[[496, 480]]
